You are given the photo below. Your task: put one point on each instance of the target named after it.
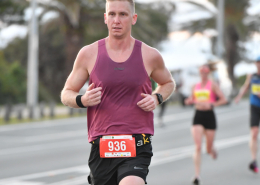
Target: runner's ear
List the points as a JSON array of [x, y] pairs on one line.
[[105, 18]]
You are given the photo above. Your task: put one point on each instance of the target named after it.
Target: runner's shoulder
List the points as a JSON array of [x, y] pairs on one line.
[[214, 85], [87, 56], [152, 55], [89, 51]]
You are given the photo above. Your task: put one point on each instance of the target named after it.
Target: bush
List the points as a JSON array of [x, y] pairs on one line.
[[12, 82]]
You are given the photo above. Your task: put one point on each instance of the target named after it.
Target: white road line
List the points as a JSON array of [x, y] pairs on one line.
[[82, 168], [46, 137], [56, 145], [71, 121], [175, 154], [72, 134], [159, 158], [44, 124], [187, 124], [34, 148], [189, 115], [74, 181], [22, 183], [56, 136]]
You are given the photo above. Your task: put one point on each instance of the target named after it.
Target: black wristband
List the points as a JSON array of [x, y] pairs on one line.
[[78, 101]]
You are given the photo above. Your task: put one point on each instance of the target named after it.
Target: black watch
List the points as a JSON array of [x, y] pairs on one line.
[[159, 97]]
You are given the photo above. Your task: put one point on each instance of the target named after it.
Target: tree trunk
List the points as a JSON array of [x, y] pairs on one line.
[[74, 42], [231, 50]]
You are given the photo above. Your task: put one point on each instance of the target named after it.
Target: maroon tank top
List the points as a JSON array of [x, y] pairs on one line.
[[122, 85]]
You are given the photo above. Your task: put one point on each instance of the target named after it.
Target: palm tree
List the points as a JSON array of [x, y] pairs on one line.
[[12, 11], [234, 32], [83, 23]]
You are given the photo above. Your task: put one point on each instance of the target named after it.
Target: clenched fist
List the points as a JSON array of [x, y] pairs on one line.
[[148, 103], [92, 96]]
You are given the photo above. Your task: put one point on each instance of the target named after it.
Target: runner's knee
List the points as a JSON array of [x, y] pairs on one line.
[[254, 136], [198, 148]]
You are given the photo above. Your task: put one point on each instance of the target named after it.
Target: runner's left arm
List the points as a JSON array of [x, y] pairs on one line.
[[221, 98], [161, 75]]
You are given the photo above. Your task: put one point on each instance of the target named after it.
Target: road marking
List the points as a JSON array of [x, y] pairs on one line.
[[56, 136], [34, 148], [74, 181], [187, 124], [189, 115], [22, 183], [79, 142], [46, 137], [175, 154], [81, 133], [161, 157], [82, 169], [44, 124], [77, 120]]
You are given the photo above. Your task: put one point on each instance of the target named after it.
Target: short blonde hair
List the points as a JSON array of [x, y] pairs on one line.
[[132, 3]]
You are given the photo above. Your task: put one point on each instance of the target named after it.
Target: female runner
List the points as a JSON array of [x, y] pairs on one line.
[[204, 95]]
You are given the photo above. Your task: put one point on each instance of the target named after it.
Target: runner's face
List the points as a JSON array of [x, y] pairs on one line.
[[204, 71], [119, 18]]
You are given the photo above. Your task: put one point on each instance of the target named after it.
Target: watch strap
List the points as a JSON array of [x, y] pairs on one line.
[[159, 98], [78, 101]]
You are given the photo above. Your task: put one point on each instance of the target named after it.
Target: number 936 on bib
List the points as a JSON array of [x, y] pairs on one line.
[[117, 146]]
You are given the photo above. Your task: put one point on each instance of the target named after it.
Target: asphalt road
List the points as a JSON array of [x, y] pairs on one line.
[[56, 152]]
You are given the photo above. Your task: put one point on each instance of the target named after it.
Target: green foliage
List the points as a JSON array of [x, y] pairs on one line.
[[79, 23], [152, 22], [12, 11], [234, 14], [241, 80], [12, 82], [17, 50], [51, 60]]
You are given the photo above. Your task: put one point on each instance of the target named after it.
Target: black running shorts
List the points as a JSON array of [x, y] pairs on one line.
[[110, 171], [205, 118], [254, 116]]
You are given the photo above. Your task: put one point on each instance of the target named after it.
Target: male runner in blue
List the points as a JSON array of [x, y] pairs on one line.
[[253, 82]]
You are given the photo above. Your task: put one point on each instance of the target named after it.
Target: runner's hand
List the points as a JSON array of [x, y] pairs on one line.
[[237, 99], [148, 103], [188, 101], [92, 96]]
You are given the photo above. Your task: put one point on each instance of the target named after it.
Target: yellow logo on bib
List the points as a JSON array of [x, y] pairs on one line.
[[202, 95], [255, 88]]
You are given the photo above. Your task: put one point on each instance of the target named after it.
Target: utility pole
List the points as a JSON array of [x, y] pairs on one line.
[[220, 29], [32, 69]]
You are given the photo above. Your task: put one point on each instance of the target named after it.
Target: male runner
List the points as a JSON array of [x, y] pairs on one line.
[[253, 82], [119, 98]]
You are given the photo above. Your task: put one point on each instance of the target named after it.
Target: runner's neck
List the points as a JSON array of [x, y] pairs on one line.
[[204, 82], [120, 44]]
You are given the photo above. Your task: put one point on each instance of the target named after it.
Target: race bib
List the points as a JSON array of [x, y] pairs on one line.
[[202, 95], [117, 146], [255, 88]]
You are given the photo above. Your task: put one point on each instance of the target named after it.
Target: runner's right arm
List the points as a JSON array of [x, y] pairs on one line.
[[243, 89], [78, 77], [190, 100]]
